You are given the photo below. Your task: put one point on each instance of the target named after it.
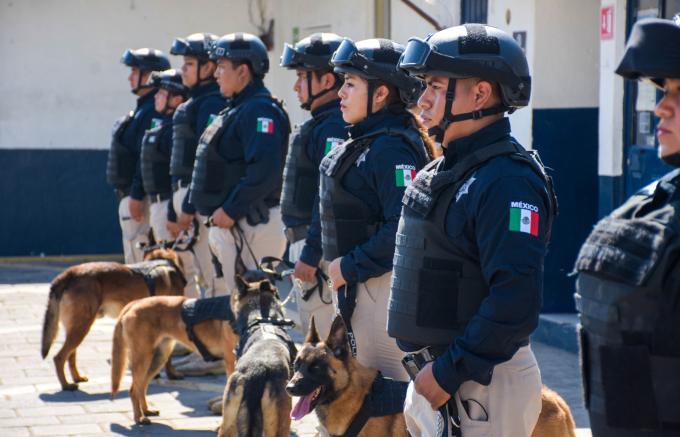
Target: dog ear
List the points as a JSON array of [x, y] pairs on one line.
[[312, 334], [265, 285], [337, 338]]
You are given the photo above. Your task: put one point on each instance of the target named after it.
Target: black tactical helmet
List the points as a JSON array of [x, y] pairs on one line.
[[242, 47], [377, 59], [170, 80], [471, 50], [312, 54], [652, 51], [146, 59], [197, 45]]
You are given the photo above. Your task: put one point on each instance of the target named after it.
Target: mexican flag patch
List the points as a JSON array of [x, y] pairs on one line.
[[404, 174], [330, 143], [524, 218], [265, 125], [211, 118]]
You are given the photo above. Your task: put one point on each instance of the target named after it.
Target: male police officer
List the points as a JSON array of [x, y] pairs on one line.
[[317, 89], [155, 157], [122, 170], [189, 122], [468, 266], [239, 161]]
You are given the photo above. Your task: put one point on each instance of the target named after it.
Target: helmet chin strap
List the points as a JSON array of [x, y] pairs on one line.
[[369, 99], [438, 131], [311, 97]]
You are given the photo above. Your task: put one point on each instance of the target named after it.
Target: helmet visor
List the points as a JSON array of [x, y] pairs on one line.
[[129, 58], [346, 54], [290, 58], [415, 56], [180, 46]]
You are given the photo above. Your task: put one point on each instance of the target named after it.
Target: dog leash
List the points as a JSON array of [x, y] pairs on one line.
[[347, 302]]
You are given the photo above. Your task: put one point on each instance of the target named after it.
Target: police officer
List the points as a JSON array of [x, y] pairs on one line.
[[362, 183], [189, 122], [468, 267], [317, 90], [628, 286], [123, 171], [239, 161], [155, 157]]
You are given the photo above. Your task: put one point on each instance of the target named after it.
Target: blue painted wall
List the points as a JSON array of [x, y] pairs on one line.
[[567, 142], [56, 202]]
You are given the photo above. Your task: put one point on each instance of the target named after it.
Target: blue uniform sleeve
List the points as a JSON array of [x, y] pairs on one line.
[[137, 187], [374, 257], [262, 133], [512, 247], [326, 136]]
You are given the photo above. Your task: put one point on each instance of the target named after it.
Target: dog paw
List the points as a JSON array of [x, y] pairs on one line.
[[216, 408], [152, 413], [69, 387], [175, 376], [81, 379]]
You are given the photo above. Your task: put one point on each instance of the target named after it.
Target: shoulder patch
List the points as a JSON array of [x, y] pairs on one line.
[[265, 125], [404, 174], [156, 122], [331, 142], [524, 218], [465, 187]]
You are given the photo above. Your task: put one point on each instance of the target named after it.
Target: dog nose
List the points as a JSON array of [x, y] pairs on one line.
[[291, 388]]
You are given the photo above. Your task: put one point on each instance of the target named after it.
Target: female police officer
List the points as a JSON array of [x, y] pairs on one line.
[[362, 183], [628, 287]]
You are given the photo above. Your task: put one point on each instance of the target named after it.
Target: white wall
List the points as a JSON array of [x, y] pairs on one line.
[[406, 23], [522, 18], [610, 158]]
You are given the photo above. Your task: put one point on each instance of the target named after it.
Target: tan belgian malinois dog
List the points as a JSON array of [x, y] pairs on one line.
[[329, 380], [86, 291], [148, 329]]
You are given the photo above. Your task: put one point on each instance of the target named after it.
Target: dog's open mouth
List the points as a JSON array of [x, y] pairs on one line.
[[305, 404]]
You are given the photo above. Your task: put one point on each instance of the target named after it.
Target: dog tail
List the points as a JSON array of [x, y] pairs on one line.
[[51, 320], [118, 356], [254, 391]]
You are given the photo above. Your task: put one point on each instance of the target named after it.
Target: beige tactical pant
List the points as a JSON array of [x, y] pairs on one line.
[[265, 239], [323, 313], [134, 232], [375, 348], [200, 261], [158, 216], [509, 406]]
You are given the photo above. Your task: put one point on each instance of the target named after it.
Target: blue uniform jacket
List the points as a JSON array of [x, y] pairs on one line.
[[331, 131], [208, 106], [259, 137], [479, 223], [373, 180], [142, 119]]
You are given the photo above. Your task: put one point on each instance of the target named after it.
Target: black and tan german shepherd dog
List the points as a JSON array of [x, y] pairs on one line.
[[329, 380], [255, 398]]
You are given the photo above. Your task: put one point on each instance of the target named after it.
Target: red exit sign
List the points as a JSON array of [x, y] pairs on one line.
[[607, 22]]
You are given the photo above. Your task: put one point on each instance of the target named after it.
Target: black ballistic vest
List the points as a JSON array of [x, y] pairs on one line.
[[155, 162], [628, 296], [120, 166], [436, 290], [184, 137], [214, 177], [346, 221], [301, 174]]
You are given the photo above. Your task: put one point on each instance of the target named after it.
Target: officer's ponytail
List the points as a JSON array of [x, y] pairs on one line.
[[396, 106]]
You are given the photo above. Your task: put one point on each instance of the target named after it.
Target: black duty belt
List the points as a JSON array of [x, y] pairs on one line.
[[158, 197], [296, 233]]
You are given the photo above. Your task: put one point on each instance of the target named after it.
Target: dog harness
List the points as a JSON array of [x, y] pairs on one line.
[[386, 397], [195, 311], [148, 271]]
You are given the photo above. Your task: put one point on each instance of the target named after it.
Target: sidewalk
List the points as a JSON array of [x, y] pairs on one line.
[[32, 403]]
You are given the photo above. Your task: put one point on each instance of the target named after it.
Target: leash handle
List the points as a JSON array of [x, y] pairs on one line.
[[347, 302]]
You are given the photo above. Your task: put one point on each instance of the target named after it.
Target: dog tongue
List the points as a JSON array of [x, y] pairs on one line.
[[301, 408]]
